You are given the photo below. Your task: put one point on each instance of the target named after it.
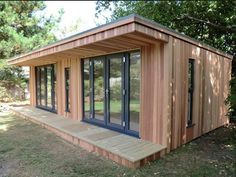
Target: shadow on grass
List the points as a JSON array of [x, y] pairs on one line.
[[27, 149]]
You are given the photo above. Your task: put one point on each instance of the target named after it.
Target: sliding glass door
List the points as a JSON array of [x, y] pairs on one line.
[[93, 90], [134, 91], [111, 86], [98, 89], [45, 87], [115, 87]]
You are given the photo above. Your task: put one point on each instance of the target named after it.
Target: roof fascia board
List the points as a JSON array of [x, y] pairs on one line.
[[169, 31], [117, 23]]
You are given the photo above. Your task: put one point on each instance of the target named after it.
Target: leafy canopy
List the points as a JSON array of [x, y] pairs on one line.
[[23, 27], [213, 22]]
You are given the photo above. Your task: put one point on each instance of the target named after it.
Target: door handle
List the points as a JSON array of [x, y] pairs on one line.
[[107, 91]]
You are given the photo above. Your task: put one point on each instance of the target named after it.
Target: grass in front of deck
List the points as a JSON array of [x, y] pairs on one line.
[[28, 150]]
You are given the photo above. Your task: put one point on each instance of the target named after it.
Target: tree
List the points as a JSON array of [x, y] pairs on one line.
[[23, 27], [71, 29], [212, 22], [12, 82]]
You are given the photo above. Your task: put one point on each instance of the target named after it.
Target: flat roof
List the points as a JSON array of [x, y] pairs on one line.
[[121, 21]]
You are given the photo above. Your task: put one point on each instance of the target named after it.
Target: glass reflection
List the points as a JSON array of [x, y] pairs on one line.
[[134, 103]]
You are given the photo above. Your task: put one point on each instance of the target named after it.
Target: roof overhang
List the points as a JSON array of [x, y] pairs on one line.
[[121, 35], [127, 33]]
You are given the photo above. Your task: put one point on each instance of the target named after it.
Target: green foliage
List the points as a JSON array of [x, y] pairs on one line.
[[212, 22], [12, 79], [12, 75], [116, 91], [98, 89], [70, 30], [23, 27], [4, 94]]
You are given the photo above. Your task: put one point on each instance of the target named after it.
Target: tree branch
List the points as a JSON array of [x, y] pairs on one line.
[[224, 28]]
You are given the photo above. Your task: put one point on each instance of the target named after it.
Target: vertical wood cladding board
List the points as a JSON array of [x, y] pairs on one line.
[[164, 90], [211, 84]]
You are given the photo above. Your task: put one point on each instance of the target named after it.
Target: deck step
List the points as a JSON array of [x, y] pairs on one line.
[[123, 149]]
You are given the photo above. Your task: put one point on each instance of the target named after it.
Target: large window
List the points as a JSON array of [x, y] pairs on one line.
[[111, 91], [67, 89], [45, 87], [190, 91]]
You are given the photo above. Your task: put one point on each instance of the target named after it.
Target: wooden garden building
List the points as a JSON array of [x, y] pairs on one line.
[[136, 80]]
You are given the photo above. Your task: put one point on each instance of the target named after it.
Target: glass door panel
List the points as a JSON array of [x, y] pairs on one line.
[[54, 82], [45, 87], [42, 87], [111, 91], [115, 89], [86, 89], [99, 87], [49, 86], [134, 91], [38, 85]]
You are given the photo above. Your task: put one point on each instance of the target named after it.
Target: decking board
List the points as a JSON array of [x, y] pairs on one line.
[[123, 149]]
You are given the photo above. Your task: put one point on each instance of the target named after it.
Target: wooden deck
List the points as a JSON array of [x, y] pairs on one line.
[[123, 149]]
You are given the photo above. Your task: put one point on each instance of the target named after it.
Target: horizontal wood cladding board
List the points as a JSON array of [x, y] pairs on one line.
[[88, 33], [211, 84], [126, 25], [81, 41], [164, 30], [112, 45], [151, 32]]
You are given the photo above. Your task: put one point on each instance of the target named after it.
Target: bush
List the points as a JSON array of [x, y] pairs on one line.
[[12, 83], [4, 95]]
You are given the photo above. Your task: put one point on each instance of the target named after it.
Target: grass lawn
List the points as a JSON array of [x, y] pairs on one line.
[[116, 106], [27, 150]]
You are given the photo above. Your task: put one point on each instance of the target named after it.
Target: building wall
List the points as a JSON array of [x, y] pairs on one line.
[[164, 91], [75, 87], [212, 75], [155, 93], [32, 86]]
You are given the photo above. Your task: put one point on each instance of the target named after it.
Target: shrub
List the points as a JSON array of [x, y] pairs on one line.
[[12, 83]]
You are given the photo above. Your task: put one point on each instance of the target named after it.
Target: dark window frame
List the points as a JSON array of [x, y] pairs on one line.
[[191, 71], [38, 76], [126, 86], [67, 88]]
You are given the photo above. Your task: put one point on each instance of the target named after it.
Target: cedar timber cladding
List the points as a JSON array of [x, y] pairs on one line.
[[212, 75], [74, 64], [164, 77]]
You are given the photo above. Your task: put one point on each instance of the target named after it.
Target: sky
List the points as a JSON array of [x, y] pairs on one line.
[[83, 10]]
